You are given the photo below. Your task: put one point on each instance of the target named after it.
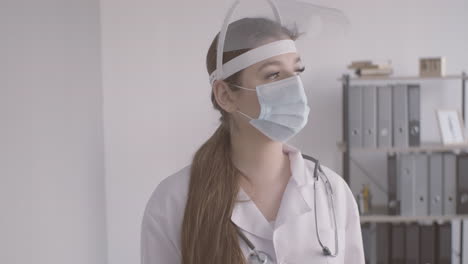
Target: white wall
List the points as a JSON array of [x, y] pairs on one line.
[[52, 207], [156, 93]]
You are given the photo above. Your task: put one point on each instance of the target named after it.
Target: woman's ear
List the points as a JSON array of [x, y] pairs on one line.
[[224, 96]]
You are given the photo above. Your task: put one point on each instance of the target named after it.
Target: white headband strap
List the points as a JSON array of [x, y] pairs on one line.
[[222, 33], [253, 56]]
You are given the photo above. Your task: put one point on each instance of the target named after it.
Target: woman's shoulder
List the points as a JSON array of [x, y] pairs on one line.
[[336, 181], [170, 196], [334, 177]]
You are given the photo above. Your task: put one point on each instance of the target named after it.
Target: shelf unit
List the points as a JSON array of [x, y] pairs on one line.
[[427, 147]]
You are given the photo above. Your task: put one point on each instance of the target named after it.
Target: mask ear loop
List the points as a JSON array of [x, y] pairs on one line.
[[240, 87], [248, 89], [222, 35], [248, 117]]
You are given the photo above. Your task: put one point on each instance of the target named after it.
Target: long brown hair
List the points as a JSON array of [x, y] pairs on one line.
[[208, 236]]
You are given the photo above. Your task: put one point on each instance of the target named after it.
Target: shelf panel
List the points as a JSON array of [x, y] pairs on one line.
[[393, 78], [425, 147], [408, 219]]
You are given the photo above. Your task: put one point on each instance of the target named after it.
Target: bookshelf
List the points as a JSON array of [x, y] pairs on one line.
[[344, 147], [425, 147], [380, 230]]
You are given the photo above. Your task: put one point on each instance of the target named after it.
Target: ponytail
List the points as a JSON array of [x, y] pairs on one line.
[[208, 235]]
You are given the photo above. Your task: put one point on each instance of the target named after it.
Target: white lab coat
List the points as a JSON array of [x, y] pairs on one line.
[[293, 238]]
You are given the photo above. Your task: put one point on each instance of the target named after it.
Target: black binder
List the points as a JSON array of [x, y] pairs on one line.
[[392, 171], [412, 244], [428, 249], [398, 244], [383, 243], [368, 241], [414, 114], [444, 243], [462, 184]]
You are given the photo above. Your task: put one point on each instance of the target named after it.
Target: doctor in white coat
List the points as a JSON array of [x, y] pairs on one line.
[[248, 197]]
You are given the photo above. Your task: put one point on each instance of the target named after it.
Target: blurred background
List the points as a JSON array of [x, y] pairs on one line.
[[101, 100]]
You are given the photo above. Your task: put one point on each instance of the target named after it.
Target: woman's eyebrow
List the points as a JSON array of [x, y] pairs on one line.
[[268, 64], [276, 62]]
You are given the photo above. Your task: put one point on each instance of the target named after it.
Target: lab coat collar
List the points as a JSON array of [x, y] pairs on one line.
[[299, 171], [248, 217]]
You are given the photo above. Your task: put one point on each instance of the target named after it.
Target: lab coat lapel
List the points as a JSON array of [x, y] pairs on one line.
[[248, 217], [294, 202]]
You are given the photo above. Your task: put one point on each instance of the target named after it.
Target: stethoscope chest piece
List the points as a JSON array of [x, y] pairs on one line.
[[258, 257]]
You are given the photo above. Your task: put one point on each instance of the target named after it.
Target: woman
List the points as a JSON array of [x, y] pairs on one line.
[[245, 185]]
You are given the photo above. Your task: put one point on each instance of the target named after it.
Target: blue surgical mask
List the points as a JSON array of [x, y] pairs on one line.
[[283, 108]]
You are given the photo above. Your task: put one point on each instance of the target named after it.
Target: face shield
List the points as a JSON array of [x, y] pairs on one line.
[[255, 30]]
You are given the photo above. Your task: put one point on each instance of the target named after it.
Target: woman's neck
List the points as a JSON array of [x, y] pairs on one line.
[[259, 159]]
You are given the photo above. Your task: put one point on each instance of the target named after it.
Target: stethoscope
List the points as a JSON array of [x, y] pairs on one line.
[[260, 257]]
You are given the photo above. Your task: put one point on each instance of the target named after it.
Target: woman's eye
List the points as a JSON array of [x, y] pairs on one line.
[[275, 75], [301, 70], [272, 75]]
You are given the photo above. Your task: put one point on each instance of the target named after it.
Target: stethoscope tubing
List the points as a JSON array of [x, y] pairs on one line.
[[329, 191]]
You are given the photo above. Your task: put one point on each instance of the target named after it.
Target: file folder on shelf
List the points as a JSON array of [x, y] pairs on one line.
[[456, 241], [369, 118], [405, 184], [369, 242], [428, 249], [444, 243], [412, 244], [421, 184], [464, 243], [449, 184], [412, 184], [398, 244], [400, 115], [383, 242], [377, 242], [414, 114], [435, 184], [462, 184], [393, 203], [384, 116], [355, 116]]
